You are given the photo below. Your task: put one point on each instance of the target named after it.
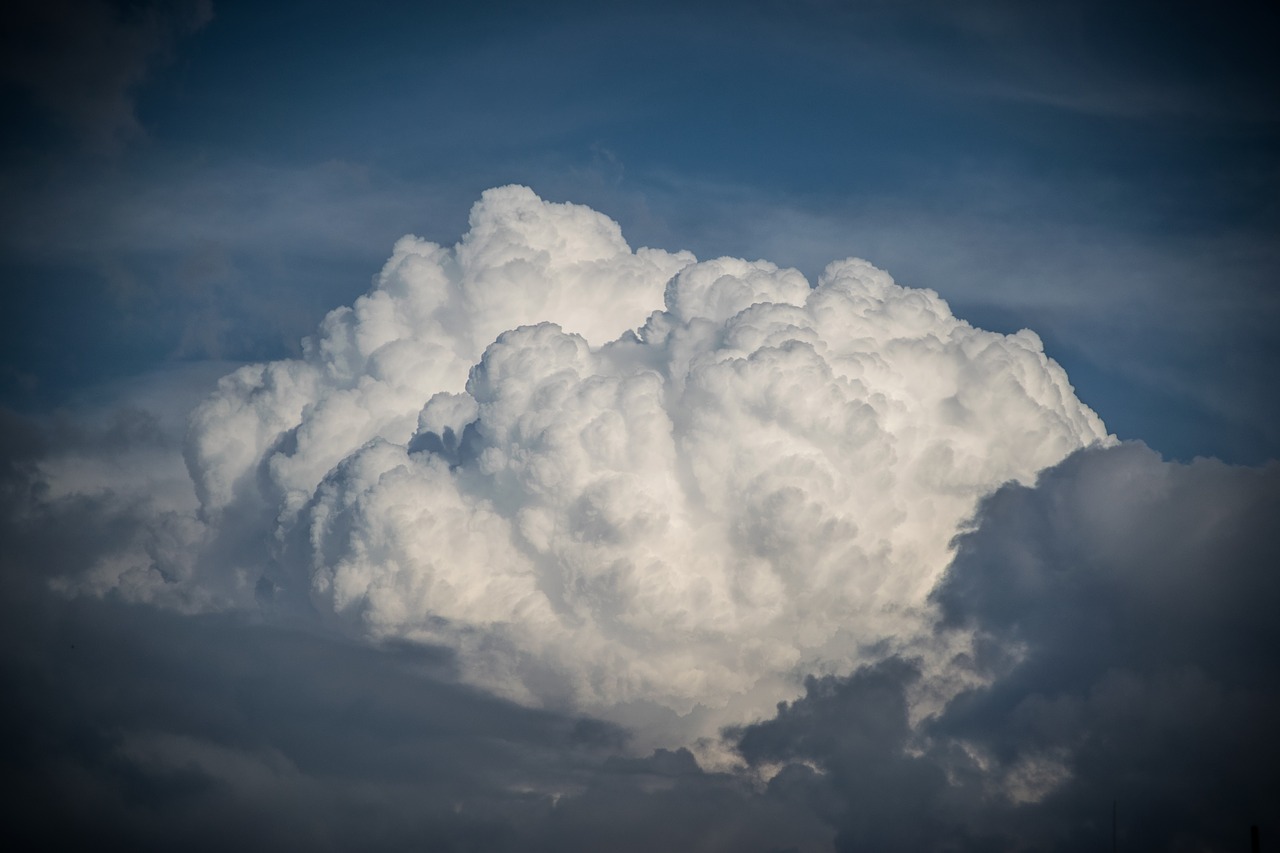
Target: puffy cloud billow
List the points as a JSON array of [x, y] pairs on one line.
[[609, 477]]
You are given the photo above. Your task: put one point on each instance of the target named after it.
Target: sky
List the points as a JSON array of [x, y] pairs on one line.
[[567, 488]]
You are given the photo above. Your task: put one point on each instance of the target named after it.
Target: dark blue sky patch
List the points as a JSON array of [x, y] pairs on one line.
[[1153, 126]]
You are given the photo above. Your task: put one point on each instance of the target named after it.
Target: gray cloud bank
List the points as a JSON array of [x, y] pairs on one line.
[[1125, 606], [447, 581]]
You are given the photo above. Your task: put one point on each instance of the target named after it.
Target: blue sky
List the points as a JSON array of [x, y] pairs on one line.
[[1106, 176]]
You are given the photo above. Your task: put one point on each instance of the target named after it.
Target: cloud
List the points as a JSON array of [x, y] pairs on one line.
[[617, 481], [145, 727], [1124, 606], [572, 491], [1126, 312], [1139, 596]]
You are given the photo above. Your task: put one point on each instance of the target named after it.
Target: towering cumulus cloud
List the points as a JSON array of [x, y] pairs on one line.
[[610, 478]]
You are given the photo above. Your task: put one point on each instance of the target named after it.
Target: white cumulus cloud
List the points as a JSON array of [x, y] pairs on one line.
[[609, 477]]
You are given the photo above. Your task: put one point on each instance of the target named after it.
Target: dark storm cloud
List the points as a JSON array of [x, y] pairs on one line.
[[1126, 608], [842, 747], [1143, 596]]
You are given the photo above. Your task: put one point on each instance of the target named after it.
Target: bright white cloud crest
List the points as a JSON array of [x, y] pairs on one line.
[[607, 476]]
